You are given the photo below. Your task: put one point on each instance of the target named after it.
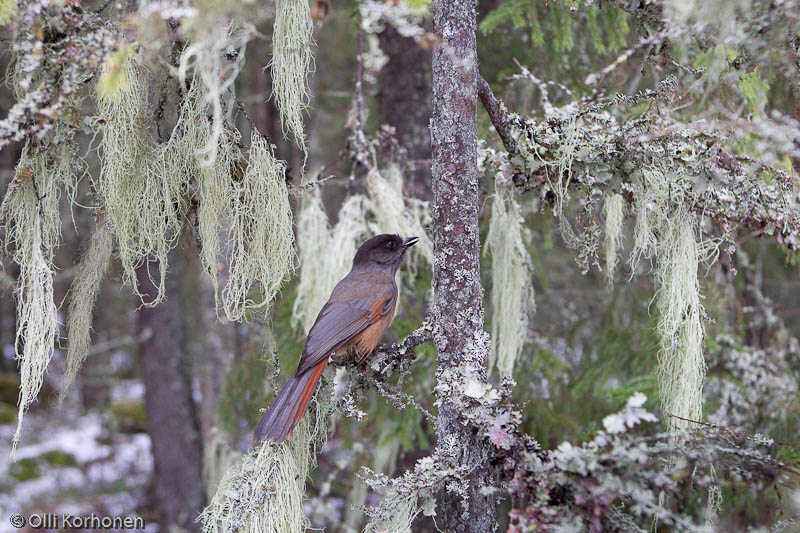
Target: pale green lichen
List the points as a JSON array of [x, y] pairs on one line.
[[312, 243], [83, 294], [143, 186], [614, 214], [260, 236], [562, 165], [326, 255], [292, 60], [652, 194], [218, 458], [682, 367], [512, 292], [32, 228], [405, 509], [115, 76], [8, 10], [264, 491], [666, 229], [214, 181], [206, 57]]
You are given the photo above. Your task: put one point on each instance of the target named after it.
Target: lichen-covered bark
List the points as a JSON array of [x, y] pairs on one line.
[[461, 343], [171, 419]]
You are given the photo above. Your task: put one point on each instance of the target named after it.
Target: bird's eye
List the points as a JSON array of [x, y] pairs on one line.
[[391, 245]]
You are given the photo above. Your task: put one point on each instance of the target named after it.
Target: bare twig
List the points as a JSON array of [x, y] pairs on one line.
[[128, 340], [396, 357], [401, 354], [745, 436]]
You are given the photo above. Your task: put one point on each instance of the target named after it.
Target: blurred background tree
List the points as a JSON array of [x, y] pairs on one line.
[[175, 213]]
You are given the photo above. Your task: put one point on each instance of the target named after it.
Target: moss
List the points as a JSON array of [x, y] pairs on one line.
[[115, 77], [24, 469], [8, 10], [128, 416], [58, 458]]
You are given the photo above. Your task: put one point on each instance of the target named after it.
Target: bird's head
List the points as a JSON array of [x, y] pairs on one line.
[[383, 250]]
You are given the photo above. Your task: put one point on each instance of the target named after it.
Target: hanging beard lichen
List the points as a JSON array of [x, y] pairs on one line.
[[680, 315], [325, 255], [312, 244], [32, 228], [649, 205], [83, 293], [512, 292], [260, 234], [292, 58], [563, 166], [404, 509], [215, 194], [613, 212], [263, 493], [665, 228], [143, 186]]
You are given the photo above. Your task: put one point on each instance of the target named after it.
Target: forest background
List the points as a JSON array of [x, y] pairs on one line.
[[184, 182]]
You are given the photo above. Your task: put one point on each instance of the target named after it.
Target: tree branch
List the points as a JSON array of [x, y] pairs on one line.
[[498, 115]]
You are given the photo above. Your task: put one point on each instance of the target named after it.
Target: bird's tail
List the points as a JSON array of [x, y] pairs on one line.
[[290, 404]]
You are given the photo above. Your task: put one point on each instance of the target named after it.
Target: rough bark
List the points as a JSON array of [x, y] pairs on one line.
[[404, 103], [461, 343], [171, 419]]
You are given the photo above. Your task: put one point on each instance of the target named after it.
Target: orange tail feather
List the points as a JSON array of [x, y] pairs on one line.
[[290, 405]]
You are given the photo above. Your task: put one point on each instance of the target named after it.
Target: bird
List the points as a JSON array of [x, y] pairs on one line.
[[351, 323]]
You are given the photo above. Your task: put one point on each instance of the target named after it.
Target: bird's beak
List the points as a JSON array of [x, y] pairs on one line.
[[411, 241]]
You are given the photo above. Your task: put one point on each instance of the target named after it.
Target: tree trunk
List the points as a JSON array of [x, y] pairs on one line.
[[171, 418], [404, 103], [461, 343]]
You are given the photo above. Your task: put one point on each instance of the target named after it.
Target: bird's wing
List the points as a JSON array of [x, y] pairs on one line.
[[342, 319]]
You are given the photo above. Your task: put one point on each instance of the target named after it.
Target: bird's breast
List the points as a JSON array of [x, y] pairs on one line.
[[365, 342]]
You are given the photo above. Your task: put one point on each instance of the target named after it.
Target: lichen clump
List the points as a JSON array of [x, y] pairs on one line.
[[292, 60], [512, 292], [83, 293], [613, 211], [264, 491], [32, 227], [260, 237], [143, 185]]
